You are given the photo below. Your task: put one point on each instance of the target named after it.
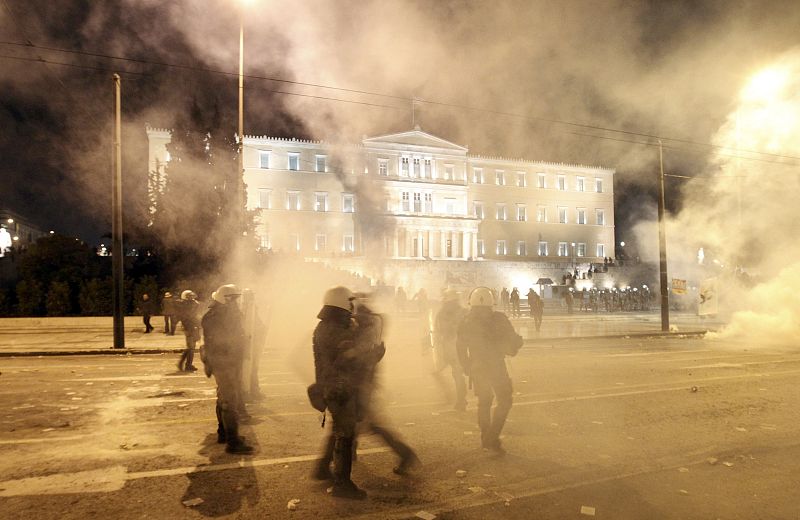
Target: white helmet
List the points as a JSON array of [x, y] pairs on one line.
[[481, 296], [226, 291], [341, 297], [188, 295]]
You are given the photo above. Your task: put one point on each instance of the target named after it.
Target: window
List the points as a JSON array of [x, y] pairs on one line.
[[416, 168], [404, 166], [263, 159], [562, 183], [563, 249], [542, 181], [428, 171], [320, 202], [562, 215], [294, 240], [598, 185], [501, 247], [428, 203], [477, 175], [500, 178], [264, 198], [417, 202], [348, 203], [580, 249], [601, 250], [542, 248], [481, 248], [449, 172], [294, 161], [478, 209], [600, 217], [320, 243], [347, 244], [522, 213], [541, 214], [522, 179], [293, 200], [580, 184], [450, 205], [383, 167], [581, 216], [406, 204], [501, 212], [265, 241], [320, 165], [522, 248]]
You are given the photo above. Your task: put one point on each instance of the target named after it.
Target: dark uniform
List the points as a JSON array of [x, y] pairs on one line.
[[445, 330], [223, 351], [537, 308], [168, 308], [480, 343], [148, 308], [340, 372]]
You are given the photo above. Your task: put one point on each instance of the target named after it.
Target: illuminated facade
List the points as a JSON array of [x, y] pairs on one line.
[[412, 196]]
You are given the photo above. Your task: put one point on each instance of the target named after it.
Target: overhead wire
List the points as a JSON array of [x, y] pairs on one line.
[[408, 99]]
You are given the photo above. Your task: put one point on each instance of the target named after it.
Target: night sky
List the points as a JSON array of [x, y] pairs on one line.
[[575, 82]]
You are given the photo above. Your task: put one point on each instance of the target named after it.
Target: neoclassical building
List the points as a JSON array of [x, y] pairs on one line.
[[414, 197]]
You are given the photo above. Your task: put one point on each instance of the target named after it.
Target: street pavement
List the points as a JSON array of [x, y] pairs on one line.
[[633, 427]]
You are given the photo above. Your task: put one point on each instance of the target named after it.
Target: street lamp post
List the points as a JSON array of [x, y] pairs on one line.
[[118, 253], [662, 243]]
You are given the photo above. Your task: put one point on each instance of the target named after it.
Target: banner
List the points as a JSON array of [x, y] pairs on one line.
[[709, 298], [678, 286]]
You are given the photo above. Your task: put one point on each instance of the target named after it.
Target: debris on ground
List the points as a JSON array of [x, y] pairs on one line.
[[409, 424], [694, 389], [740, 429], [712, 460], [683, 470], [729, 464], [683, 492], [167, 394], [467, 433], [586, 510], [183, 405], [292, 505], [476, 489], [193, 502], [425, 515], [461, 473]]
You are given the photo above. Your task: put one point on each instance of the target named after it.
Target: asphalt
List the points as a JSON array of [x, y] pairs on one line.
[[21, 337]]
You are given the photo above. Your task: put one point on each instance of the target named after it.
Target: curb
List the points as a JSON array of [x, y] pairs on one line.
[[654, 334], [109, 352]]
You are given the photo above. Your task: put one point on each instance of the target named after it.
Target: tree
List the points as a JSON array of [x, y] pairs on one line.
[[198, 220], [57, 302], [95, 297], [29, 298]]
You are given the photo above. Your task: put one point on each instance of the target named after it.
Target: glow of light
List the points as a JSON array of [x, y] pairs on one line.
[[766, 85], [701, 255], [15, 238], [10, 221], [622, 244], [52, 232]]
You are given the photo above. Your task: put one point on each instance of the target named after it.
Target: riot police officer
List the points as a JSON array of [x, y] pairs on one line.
[[484, 338], [445, 328], [223, 353], [188, 310], [340, 372]]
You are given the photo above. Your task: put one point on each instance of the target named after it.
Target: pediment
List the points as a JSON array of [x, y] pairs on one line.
[[415, 138]]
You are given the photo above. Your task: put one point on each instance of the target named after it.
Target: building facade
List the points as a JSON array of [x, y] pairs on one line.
[[413, 196]]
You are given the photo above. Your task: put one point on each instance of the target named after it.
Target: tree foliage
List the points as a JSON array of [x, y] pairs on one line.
[[57, 302]]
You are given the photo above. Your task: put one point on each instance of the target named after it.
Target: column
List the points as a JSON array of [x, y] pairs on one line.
[[474, 237], [421, 245], [443, 244], [396, 243], [465, 253]]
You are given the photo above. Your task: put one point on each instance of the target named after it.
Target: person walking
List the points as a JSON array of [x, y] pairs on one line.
[[505, 299], [168, 309], [147, 308], [188, 312], [484, 338], [223, 353], [514, 299], [445, 330], [339, 374], [537, 308]]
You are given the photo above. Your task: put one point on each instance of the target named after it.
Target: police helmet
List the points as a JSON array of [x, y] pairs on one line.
[[225, 292], [340, 296]]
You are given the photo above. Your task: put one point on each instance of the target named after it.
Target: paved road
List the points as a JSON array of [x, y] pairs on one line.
[[607, 426]]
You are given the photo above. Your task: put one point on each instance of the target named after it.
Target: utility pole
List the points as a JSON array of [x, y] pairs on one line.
[[117, 251], [662, 243]]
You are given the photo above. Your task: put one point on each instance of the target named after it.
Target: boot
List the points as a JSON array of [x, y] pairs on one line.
[[343, 487], [235, 444], [181, 360], [408, 459], [220, 427], [323, 469]]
